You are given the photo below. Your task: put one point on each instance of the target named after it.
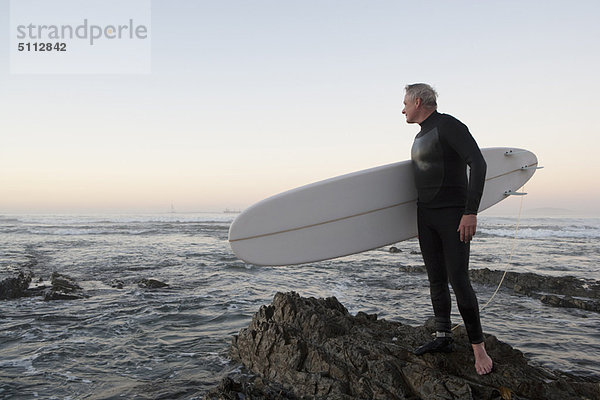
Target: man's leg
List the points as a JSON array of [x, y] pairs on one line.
[[456, 258], [457, 263], [432, 252]]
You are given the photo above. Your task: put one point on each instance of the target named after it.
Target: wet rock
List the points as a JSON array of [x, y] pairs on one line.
[[63, 283], [151, 284], [420, 269], [63, 288], [566, 291], [570, 302], [117, 284], [394, 250], [15, 286], [245, 386], [50, 295], [38, 288], [528, 282], [314, 349]]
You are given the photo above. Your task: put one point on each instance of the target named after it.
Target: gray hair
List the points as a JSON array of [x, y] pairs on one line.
[[422, 91]]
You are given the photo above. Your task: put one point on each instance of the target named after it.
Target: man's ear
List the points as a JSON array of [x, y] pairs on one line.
[[418, 102]]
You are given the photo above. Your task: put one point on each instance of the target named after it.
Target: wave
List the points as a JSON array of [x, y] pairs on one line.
[[203, 223], [4, 219], [74, 219], [88, 231], [68, 225], [540, 228], [544, 232]]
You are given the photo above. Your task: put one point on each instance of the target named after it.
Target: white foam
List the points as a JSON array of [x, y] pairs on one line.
[[25, 363], [540, 233]]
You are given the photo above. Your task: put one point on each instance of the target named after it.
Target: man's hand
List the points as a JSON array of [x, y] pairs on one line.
[[467, 227]]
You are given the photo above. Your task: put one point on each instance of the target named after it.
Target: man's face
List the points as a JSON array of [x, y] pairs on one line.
[[410, 109]]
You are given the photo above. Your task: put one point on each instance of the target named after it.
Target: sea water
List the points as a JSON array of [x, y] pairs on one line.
[[173, 342]]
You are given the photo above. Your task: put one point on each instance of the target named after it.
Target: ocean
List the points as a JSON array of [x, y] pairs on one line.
[[172, 342]]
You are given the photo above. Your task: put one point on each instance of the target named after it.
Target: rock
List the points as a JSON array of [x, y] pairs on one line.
[[51, 294], [247, 387], [314, 349], [63, 288], [15, 286], [528, 282], [117, 284], [551, 290], [63, 283], [566, 291], [394, 250], [151, 284], [413, 269], [570, 302]]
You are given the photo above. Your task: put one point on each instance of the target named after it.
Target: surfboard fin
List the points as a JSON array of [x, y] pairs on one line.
[[511, 193], [514, 152]]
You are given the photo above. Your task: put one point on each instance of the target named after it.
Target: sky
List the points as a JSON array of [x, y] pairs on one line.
[[243, 100]]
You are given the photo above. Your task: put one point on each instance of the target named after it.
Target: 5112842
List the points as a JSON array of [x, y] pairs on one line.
[[41, 46]]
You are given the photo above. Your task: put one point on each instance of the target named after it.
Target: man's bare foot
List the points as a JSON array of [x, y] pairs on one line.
[[483, 362]]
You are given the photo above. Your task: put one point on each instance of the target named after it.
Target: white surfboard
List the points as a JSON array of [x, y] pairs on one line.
[[355, 212]]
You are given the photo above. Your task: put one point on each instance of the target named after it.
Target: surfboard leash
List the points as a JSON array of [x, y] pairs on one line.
[[512, 250]]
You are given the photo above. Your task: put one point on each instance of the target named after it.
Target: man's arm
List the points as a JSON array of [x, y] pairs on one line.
[[464, 144]]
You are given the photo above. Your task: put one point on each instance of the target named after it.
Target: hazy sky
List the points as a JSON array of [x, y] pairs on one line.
[[249, 98]]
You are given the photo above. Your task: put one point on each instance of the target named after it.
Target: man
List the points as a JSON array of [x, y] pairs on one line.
[[447, 205]]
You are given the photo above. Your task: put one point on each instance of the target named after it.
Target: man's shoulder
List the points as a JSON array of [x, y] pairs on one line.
[[447, 118], [448, 122]]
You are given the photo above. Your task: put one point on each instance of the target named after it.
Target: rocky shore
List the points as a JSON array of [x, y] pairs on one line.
[[17, 283], [564, 291], [307, 348]]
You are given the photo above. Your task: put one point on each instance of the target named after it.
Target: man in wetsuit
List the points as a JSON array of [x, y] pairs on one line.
[[447, 205]]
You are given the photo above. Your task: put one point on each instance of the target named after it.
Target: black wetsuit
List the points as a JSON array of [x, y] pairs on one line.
[[440, 155]]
